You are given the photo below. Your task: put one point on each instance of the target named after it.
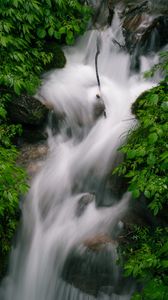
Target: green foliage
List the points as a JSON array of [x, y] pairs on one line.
[[145, 167], [12, 181], [26, 27], [147, 260], [12, 185], [146, 151], [161, 67]]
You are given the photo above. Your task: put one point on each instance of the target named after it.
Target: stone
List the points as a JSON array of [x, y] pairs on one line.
[[58, 60], [83, 202], [145, 31], [97, 242], [32, 157], [27, 110], [99, 108]]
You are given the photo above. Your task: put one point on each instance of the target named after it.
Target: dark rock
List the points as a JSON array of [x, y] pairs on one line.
[[111, 11], [58, 60], [98, 242], [100, 12], [144, 31], [32, 135], [27, 110], [32, 156], [99, 108], [144, 25], [94, 272], [159, 7], [83, 202]]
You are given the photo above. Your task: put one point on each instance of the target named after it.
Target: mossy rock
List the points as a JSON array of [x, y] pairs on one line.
[[59, 59], [27, 110]]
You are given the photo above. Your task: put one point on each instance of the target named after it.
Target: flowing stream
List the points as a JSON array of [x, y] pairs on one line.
[[66, 204]]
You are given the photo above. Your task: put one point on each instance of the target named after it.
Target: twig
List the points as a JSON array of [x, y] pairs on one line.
[[117, 43], [96, 61]]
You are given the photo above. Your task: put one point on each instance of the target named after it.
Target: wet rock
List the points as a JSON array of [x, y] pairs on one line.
[[98, 242], [83, 203], [99, 108], [32, 156], [27, 110], [144, 29], [100, 12], [32, 135], [81, 118], [144, 25], [58, 60], [159, 7], [94, 272]]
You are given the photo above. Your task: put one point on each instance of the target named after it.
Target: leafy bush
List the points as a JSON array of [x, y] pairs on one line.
[[145, 167], [147, 260], [12, 185], [146, 151], [26, 27], [161, 67]]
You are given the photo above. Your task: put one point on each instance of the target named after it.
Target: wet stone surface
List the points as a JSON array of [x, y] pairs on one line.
[[94, 272], [32, 157]]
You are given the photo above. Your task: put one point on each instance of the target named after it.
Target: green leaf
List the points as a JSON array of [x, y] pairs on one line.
[[70, 37], [136, 297], [164, 155], [41, 33], [76, 28], [147, 194], [17, 88], [131, 154], [154, 98], [164, 249], [153, 137], [136, 193], [151, 159], [62, 30], [3, 112], [164, 105], [51, 31], [57, 35]]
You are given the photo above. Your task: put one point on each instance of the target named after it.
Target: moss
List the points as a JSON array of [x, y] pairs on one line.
[[59, 59]]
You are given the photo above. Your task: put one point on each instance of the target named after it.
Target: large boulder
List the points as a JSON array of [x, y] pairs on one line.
[[92, 269], [27, 110], [58, 60], [32, 156], [143, 30], [144, 25]]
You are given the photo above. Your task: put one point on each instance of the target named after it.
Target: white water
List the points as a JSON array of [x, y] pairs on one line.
[[76, 164]]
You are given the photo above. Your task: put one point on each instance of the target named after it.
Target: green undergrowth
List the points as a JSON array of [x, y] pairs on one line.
[[145, 167], [146, 151]]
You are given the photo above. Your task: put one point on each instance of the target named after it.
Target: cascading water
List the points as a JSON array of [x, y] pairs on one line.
[[55, 220]]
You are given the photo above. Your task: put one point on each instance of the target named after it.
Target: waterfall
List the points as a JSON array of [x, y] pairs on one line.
[[64, 207]]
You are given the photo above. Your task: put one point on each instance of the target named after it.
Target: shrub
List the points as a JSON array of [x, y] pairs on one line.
[[145, 167]]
